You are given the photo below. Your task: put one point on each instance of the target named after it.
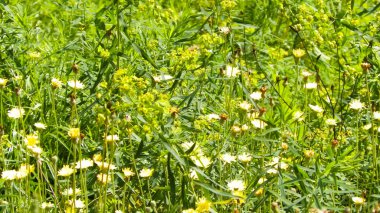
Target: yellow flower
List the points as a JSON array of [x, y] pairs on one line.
[[244, 127], [128, 172], [46, 205], [23, 171], [358, 200], [189, 211], [311, 85], [231, 71], [145, 173], [84, 164], [259, 124], [298, 53], [34, 55], [9, 174], [203, 205], [376, 115], [39, 125], [245, 158], [65, 171], [228, 4], [31, 140], [298, 116], [245, 106], [104, 178], [104, 166], [26, 167], [35, 150], [235, 129], [112, 138], [256, 95], [78, 204], [3, 82], [284, 146], [241, 198], [308, 153], [193, 174], [236, 185], [75, 84], [316, 108], [70, 192], [56, 83], [74, 133], [259, 192], [331, 122], [16, 112], [201, 161], [356, 105], [97, 157], [228, 158], [105, 54]]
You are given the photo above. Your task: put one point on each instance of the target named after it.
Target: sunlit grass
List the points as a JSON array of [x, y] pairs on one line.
[[189, 106]]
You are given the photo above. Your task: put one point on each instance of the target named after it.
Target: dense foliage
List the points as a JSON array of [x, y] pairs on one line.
[[189, 106]]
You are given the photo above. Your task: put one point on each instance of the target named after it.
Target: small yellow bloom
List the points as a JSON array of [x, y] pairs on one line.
[[104, 178], [26, 167], [236, 185], [31, 140], [298, 53], [20, 174], [203, 205], [34, 55], [245, 106], [56, 83], [105, 54], [104, 166], [228, 158], [259, 124], [70, 192], [3, 82], [39, 125], [84, 164], [97, 157], [356, 105], [308, 153], [145, 173], [259, 192], [358, 200], [46, 205], [189, 211], [284, 146], [128, 172], [236, 129], [112, 138], [201, 161], [241, 198], [9, 174], [35, 150], [65, 171], [16, 112], [78, 204], [245, 158], [74, 133], [75, 84]]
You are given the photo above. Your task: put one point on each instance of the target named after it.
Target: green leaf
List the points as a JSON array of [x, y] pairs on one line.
[[214, 190]]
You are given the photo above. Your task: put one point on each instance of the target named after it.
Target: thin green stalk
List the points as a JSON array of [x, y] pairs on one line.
[[135, 168]]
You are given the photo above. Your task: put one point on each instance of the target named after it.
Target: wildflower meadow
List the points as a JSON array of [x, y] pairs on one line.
[[189, 106]]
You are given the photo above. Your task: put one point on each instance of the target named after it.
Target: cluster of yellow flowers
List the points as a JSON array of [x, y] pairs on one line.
[[21, 173]]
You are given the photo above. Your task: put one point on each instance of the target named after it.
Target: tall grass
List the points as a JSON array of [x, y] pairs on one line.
[[189, 106]]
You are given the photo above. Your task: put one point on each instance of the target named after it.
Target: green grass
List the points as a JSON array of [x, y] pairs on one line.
[[189, 106]]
